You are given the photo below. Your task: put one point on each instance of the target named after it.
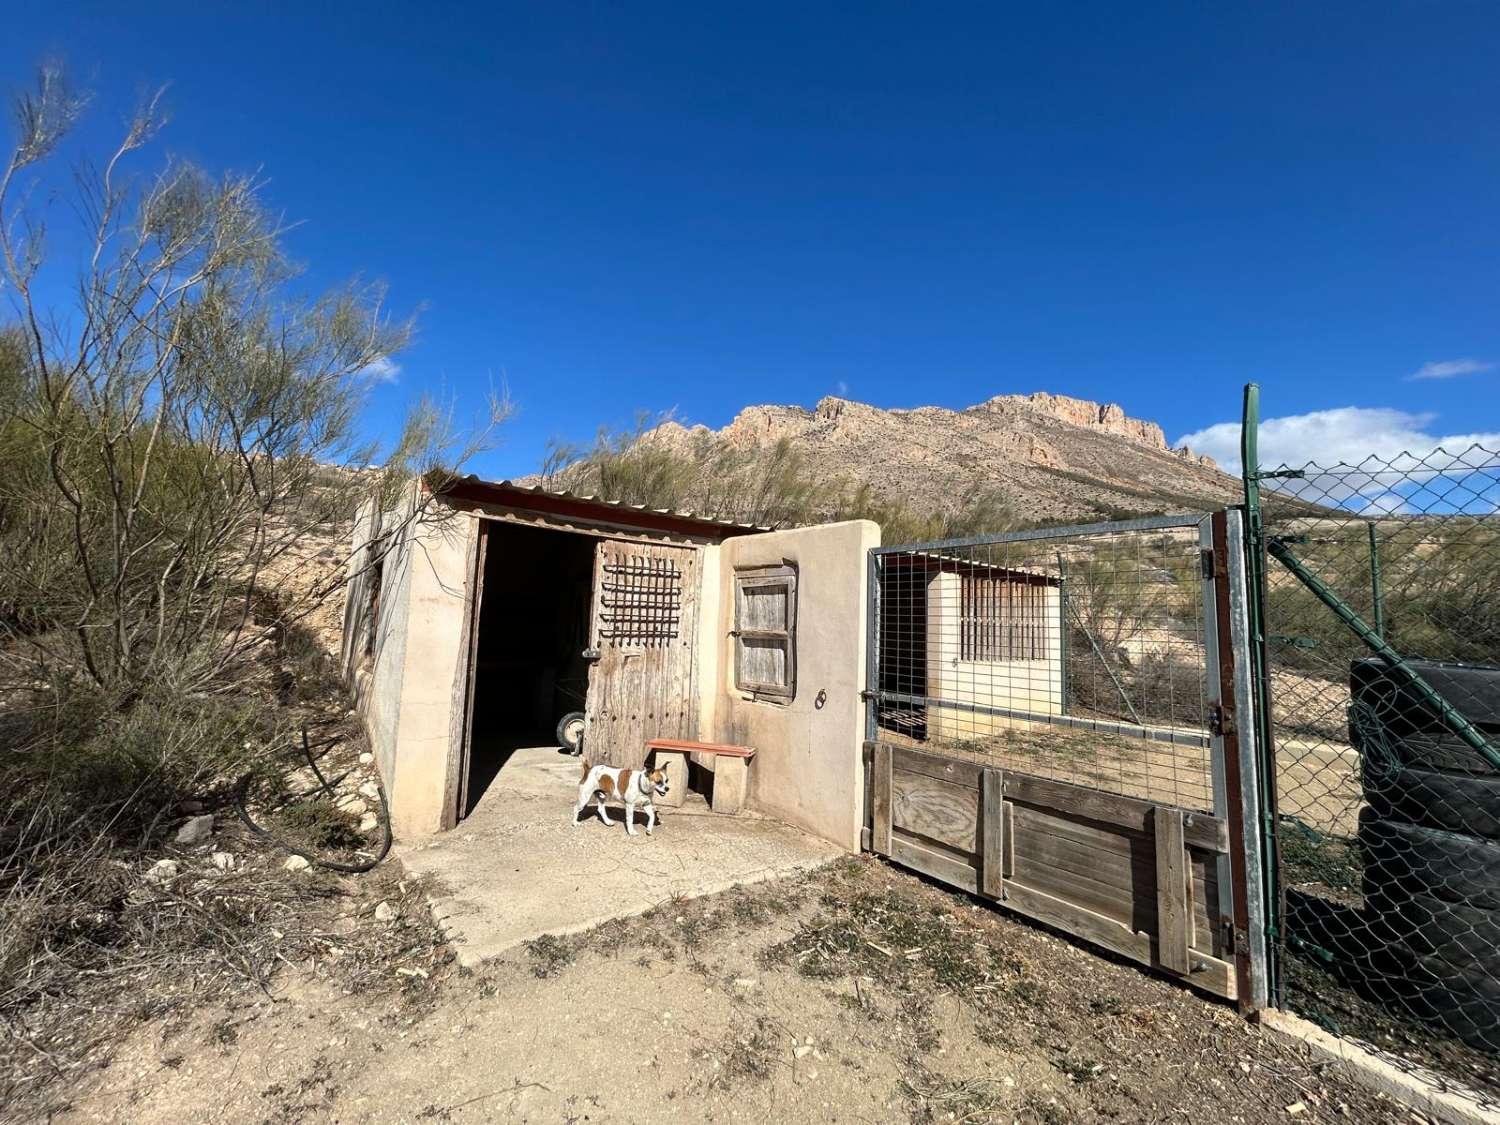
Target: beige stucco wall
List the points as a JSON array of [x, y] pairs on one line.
[[807, 770], [375, 677], [409, 690], [1022, 685], [432, 681]]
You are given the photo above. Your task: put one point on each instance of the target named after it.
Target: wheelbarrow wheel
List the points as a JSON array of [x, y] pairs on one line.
[[570, 731]]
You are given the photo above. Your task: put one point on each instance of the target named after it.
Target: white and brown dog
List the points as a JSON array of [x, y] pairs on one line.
[[636, 788]]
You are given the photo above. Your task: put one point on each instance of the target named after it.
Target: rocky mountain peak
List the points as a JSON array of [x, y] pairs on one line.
[[1052, 455]]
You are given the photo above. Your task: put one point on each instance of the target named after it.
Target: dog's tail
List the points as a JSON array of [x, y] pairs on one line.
[[585, 775]]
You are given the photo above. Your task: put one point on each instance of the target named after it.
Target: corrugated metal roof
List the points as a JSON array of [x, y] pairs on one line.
[[616, 505]]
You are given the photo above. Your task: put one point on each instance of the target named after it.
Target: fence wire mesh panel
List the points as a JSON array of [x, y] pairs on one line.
[[1381, 610], [1038, 735], [1072, 655]]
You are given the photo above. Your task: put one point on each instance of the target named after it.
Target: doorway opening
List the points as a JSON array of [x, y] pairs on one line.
[[529, 669]]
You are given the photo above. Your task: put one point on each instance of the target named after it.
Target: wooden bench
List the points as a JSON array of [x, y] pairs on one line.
[[731, 770]]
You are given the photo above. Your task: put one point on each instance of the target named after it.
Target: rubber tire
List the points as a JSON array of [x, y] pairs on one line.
[[1417, 860], [1469, 806], [1465, 1002], [1434, 750], [563, 740], [1471, 689], [1464, 938]]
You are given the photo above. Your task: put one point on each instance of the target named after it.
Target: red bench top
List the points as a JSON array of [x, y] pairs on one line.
[[685, 746]]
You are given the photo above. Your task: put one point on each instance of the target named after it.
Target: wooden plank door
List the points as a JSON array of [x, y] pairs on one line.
[[457, 807], [644, 683], [1138, 879]]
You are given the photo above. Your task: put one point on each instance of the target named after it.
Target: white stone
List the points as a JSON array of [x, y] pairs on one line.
[[296, 863], [162, 871], [196, 829], [367, 759], [371, 790], [802, 1052], [369, 822], [223, 861], [353, 805], [384, 912]]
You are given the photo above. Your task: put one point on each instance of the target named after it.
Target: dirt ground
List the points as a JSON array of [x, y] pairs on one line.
[[856, 993]]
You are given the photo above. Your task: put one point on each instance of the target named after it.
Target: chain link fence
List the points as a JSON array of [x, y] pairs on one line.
[[1381, 609], [1075, 655]]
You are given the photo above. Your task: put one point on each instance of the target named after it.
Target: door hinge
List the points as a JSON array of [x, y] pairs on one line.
[[1220, 719]]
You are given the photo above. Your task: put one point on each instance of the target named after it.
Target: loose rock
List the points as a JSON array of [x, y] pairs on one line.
[[196, 829], [384, 912], [223, 861], [296, 863], [162, 871], [369, 822], [367, 759]]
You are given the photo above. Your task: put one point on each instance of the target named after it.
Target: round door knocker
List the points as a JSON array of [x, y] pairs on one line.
[[821, 699]]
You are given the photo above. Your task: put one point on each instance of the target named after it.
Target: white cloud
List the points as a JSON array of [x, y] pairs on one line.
[[1449, 368], [1366, 452], [384, 369], [1385, 504]]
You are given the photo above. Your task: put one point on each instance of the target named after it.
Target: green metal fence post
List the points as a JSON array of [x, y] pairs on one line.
[[1375, 594], [1451, 717]]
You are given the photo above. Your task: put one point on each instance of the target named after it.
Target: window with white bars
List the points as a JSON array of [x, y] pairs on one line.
[[1002, 618]]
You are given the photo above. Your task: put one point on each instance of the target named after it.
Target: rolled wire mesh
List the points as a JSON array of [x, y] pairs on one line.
[[1389, 812], [1074, 657]]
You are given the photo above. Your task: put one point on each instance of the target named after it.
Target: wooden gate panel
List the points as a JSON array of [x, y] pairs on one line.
[[644, 684], [1136, 878]]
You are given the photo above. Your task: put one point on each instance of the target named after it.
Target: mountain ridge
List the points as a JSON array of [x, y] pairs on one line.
[[1052, 456]]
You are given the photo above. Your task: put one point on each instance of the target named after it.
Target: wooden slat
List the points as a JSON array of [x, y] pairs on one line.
[[1209, 973], [992, 832], [936, 809], [1110, 870], [867, 809], [934, 765], [881, 776], [937, 864], [1173, 919], [1076, 920], [1009, 817], [1205, 831]]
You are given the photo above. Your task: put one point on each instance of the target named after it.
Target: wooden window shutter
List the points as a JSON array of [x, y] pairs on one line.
[[765, 632]]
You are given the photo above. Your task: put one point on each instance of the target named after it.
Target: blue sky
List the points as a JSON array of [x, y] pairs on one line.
[[623, 207]]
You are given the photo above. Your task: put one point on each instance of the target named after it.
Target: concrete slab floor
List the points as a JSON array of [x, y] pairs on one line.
[[517, 868]]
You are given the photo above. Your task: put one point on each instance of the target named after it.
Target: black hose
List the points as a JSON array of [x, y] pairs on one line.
[[239, 799]]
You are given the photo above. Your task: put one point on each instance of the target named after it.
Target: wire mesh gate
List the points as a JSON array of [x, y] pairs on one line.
[[1052, 723], [1378, 603]]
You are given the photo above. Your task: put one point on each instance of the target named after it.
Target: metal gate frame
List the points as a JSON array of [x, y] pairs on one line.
[[1230, 709]]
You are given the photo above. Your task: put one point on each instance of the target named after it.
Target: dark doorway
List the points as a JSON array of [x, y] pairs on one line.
[[529, 670]]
